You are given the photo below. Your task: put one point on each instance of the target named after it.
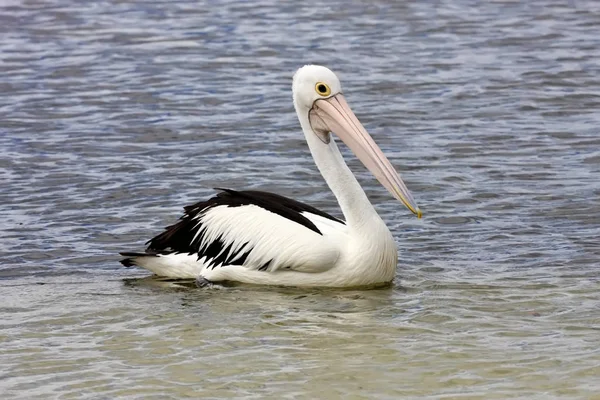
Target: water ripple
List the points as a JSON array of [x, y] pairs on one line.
[[116, 114]]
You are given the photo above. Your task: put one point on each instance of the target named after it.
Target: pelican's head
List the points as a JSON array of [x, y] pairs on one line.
[[318, 94], [312, 83]]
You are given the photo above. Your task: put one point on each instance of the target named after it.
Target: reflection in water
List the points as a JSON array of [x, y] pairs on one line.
[[118, 114]]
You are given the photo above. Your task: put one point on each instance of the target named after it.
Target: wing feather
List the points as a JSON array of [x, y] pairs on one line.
[[274, 242], [257, 230]]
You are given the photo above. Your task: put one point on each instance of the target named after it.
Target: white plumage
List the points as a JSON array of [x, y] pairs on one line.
[[262, 238], [273, 239]]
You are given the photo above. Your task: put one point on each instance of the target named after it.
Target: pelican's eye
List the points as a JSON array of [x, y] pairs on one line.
[[323, 89]]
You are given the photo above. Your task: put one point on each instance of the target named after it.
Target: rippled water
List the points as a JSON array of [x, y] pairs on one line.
[[116, 114]]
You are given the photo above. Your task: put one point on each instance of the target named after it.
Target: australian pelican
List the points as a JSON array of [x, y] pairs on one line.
[[263, 238]]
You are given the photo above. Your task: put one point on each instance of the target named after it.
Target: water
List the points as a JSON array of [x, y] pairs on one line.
[[114, 115]]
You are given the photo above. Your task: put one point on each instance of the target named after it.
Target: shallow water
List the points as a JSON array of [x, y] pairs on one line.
[[114, 115]]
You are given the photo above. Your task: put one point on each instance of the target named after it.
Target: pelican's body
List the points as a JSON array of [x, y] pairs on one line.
[[262, 238]]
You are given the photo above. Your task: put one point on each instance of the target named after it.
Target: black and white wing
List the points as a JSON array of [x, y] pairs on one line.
[[258, 230]]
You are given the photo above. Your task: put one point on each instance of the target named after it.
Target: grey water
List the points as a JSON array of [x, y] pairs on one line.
[[116, 114]]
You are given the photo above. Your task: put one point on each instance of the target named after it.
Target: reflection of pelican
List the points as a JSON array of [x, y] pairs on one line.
[[264, 238]]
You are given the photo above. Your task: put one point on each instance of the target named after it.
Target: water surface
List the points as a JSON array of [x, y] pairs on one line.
[[115, 114]]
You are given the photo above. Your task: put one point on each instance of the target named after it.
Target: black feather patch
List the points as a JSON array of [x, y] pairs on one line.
[[128, 262], [186, 235], [265, 266], [280, 205], [131, 256]]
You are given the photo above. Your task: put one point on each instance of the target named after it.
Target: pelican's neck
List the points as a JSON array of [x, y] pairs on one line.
[[356, 207]]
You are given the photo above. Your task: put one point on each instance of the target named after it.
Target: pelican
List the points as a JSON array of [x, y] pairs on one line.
[[263, 238]]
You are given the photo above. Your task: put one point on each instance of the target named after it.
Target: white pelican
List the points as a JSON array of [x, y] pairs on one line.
[[263, 238]]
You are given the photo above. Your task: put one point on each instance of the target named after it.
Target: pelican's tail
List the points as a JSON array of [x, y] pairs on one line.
[[173, 265]]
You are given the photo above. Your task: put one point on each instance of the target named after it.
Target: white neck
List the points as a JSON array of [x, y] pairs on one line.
[[355, 205]]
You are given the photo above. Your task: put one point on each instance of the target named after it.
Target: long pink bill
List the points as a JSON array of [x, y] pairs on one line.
[[334, 114]]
